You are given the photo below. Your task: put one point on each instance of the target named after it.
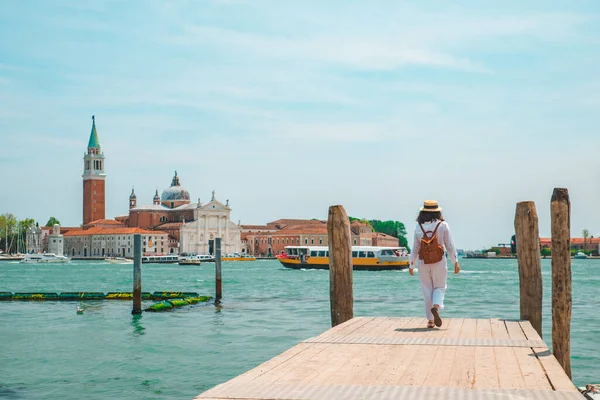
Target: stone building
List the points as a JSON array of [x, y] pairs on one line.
[[271, 239], [113, 242], [210, 221], [55, 241]]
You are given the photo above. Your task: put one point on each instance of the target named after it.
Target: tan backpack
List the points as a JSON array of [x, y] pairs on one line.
[[430, 251]]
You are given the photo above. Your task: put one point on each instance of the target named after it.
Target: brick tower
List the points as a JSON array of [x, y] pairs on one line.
[[93, 179]]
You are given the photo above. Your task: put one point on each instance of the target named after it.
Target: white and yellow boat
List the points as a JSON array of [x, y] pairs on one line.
[[369, 258], [237, 257]]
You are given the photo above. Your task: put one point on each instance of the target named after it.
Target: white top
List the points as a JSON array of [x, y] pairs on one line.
[[444, 238]]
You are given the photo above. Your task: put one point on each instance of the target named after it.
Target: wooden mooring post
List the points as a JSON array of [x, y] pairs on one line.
[[530, 264], [561, 278], [218, 281], [340, 266], [137, 274]]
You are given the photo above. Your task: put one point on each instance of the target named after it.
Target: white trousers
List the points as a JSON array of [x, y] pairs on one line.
[[433, 284]]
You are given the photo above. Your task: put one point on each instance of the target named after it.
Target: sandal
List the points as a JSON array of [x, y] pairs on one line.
[[436, 317], [430, 324]]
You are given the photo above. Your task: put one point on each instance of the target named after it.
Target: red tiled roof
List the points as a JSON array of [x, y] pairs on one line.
[[104, 222], [111, 231], [548, 241], [169, 225]]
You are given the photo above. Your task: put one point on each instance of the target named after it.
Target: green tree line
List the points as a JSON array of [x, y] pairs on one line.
[[392, 228], [13, 232]]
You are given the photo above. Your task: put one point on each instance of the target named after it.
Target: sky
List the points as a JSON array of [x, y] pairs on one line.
[[286, 108]]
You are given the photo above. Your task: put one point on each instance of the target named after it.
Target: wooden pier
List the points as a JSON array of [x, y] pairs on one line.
[[398, 358]]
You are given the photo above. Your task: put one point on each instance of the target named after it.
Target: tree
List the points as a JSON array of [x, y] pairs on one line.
[[52, 221], [586, 234], [392, 228]]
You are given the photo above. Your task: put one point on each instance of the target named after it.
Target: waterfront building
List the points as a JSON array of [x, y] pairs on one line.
[[271, 239], [94, 178], [55, 241], [591, 244], [34, 240], [115, 241], [210, 221], [192, 227]]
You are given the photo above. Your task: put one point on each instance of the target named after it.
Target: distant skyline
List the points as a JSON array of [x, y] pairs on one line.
[[286, 108]]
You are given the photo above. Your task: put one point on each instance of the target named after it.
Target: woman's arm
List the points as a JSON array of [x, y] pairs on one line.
[[414, 253], [451, 248]]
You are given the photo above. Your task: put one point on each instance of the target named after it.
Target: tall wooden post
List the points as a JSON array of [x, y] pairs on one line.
[[340, 266], [218, 282], [561, 278], [530, 265], [137, 274]]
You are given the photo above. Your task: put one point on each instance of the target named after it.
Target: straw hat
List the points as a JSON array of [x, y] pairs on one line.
[[431, 206]]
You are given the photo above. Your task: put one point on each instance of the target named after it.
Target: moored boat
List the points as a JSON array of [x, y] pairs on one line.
[[189, 259], [50, 258], [237, 257], [368, 258], [581, 255], [164, 259], [118, 260]]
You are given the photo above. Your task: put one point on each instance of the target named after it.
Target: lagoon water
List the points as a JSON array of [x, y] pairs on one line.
[[49, 351]]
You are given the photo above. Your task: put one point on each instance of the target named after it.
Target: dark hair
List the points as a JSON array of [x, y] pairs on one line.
[[426, 216]]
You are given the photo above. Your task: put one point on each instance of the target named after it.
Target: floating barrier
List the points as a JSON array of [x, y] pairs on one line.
[[172, 303], [34, 296], [81, 296], [191, 297], [127, 296], [173, 295], [5, 295]]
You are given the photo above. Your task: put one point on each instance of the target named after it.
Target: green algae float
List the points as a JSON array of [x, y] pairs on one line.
[[175, 303], [81, 296]]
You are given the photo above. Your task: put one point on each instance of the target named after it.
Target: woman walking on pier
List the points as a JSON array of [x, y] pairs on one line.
[[432, 235]]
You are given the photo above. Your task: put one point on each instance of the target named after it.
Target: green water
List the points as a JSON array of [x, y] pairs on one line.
[[49, 351]]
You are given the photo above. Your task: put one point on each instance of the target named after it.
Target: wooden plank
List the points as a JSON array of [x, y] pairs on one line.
[[509, 373], [486, 371], [418, 369], [498, 329], [398, 360], [528, 330], [335, 365], [273, 363], [532, 372], [347, 327], [440, 368], [556, 375], [514, 330], [469, 329], [463, 366], [484, 329]]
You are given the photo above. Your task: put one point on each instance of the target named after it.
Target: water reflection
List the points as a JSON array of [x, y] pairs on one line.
[[218, 315], [138, 329]]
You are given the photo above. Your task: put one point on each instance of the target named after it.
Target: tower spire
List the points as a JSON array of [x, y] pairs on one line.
[[94, 143]]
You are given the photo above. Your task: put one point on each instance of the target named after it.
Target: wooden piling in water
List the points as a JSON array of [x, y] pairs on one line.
[[137, 274], [218, 281], [530, 265], [340, 266], [561, 278]]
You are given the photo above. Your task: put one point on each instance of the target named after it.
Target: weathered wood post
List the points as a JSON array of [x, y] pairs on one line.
[[340, 266], [561, 278], [530, 265], [218, 282], [137, 274]]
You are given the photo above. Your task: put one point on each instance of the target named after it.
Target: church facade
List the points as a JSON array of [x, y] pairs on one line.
[[211, 220]]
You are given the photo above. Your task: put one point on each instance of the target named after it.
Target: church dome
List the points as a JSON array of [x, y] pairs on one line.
[[175, 195]]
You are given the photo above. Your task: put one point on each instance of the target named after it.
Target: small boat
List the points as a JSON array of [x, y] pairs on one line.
[[369, 258], [44, 258], [237, 257], [118, 260], [189, 259], [166, 259], [580, 255]]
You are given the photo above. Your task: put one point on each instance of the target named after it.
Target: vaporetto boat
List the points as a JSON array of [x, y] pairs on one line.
[[164, 259], [369, 258], [44, 258]]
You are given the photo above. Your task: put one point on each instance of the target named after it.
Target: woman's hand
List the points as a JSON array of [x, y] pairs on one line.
[[456, 268], [411, 270]]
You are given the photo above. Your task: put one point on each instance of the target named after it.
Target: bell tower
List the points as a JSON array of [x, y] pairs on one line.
[[93, 179]]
